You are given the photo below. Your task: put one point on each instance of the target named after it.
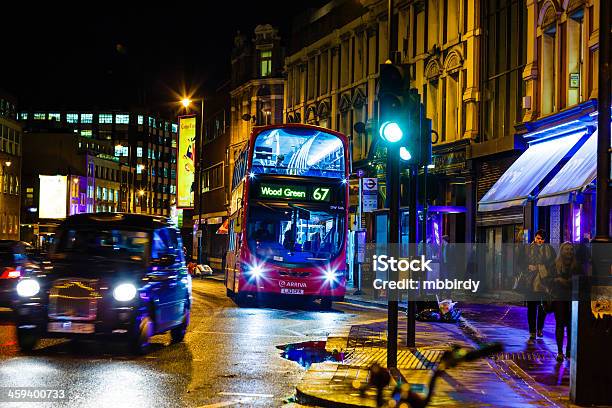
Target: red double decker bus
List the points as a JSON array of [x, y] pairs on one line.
[[289, 215]]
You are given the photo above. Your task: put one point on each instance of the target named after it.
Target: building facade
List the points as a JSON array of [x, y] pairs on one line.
[[69, 164], [332, 72], [211, 206], [143, 145], [551, 184], [10, 168], [257, 84]]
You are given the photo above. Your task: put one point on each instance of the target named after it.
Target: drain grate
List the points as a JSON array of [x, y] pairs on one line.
[[362, 336], [525, 356]]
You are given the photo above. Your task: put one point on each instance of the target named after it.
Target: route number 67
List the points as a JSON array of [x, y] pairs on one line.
[[320, 194]]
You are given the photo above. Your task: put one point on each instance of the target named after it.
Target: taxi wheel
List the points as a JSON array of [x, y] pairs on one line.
[[178, 333], [141, 336], [27, 339]]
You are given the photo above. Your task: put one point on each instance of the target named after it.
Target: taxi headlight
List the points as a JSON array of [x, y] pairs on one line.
[[28, 288], [124, 292]]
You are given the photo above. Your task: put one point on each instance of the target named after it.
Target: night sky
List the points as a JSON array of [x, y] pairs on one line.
[[119, 57]]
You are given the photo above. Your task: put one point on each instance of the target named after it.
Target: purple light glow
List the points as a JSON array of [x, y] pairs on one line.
[[577, 225]]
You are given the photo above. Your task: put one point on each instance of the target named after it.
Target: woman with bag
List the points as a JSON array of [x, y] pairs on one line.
[[541, 259], [566, 266]]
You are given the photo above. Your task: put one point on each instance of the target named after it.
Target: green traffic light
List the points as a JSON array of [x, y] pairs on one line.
[[391, 132], [404, 154]]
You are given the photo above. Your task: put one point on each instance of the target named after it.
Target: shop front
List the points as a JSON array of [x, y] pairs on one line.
[[551, 187]]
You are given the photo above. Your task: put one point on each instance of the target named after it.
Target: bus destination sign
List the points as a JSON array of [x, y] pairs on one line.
[[301, 193]]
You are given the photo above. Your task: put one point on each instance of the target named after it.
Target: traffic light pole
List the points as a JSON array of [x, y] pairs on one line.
[[412, 235], [393, 193]]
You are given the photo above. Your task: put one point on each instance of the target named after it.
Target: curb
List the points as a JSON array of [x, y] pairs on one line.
[[466, 326], [308, 399]]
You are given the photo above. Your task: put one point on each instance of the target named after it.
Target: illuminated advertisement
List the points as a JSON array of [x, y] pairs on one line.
[[53, 193], [186, 162]]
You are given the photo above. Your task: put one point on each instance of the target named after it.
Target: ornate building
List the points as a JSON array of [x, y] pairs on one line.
[[256, 96], [332, 72], [10, 168], [551, 184]]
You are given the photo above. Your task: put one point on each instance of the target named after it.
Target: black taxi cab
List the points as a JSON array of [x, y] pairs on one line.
[[112, 275]]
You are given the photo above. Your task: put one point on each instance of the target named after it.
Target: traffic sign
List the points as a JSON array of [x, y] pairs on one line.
[[369, 194]]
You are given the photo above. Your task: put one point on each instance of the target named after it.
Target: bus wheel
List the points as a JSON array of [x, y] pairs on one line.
[[326, 304], [244, 300]]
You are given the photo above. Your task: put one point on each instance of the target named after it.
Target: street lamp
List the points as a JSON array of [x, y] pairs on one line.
[[186, 102]]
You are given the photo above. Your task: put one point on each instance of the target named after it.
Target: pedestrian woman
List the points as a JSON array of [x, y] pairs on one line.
[[566, 266], [541, 260]]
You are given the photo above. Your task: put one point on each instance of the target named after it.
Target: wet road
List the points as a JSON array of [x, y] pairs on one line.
[[229, 358]]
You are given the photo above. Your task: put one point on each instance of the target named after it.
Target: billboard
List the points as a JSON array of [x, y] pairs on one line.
[[185, 177], [53, 196]]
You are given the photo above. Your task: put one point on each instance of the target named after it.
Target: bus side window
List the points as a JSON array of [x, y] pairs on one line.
[[232, 237]]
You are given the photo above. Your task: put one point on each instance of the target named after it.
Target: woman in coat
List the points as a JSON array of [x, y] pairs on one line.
[[566, 266]]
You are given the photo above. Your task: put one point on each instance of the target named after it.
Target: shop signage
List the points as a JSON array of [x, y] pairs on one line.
[[574, 80]]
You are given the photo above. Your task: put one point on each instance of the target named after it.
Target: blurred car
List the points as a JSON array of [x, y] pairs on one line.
[[14, 264], [117, 276]]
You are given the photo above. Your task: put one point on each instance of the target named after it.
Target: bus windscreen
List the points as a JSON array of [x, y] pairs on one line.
[[298, 152]]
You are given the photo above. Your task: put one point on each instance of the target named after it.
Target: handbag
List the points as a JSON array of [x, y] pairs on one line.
[[540, 279], [523, 281]]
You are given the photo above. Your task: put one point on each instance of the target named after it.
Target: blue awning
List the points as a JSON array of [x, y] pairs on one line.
[[578, 172], [518, 182]]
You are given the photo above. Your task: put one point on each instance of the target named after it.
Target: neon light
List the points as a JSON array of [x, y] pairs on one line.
[[577, 225]]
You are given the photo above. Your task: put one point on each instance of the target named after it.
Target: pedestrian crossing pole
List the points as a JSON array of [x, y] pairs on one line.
[[590, 375], [393, 185]]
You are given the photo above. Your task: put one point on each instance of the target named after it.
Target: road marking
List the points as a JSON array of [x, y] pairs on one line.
[[226, 403], [358, 305], [245, 334], [245, 394]]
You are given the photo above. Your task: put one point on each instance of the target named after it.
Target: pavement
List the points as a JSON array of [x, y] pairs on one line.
[[525, 374]]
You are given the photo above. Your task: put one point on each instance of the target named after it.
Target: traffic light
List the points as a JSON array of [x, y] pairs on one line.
[[392, 92], [403, 125]]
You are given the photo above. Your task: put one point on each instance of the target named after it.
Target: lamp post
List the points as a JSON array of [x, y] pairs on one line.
[[186, 102]]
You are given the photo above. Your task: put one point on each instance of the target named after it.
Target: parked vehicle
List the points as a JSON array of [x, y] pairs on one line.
[[118, 276], [14, 264]]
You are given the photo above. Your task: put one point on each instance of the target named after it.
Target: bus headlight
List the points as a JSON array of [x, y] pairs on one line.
[[124, 292], [28, 288], [330, 275], [255, 270]]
